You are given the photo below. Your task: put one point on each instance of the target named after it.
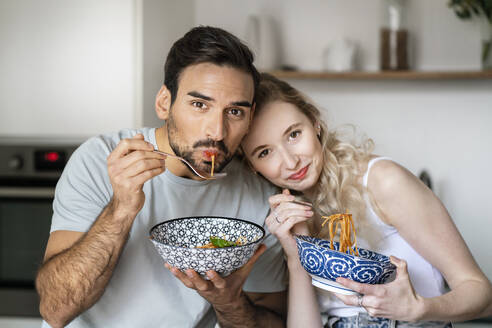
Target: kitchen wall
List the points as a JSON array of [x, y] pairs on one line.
[[442, 126], [163, 22], [67, 67]]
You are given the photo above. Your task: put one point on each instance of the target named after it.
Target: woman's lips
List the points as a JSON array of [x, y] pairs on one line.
[[299, 174]]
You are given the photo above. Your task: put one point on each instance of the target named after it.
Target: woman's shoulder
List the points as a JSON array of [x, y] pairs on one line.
[[385, 174]]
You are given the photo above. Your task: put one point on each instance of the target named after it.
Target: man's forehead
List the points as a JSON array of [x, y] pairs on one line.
[[221, 83]]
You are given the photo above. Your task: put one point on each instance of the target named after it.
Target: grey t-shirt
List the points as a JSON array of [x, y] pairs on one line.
[[142, 292]]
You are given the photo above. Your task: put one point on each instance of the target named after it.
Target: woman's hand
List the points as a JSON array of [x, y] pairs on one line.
[[286, 218], [395, 300]]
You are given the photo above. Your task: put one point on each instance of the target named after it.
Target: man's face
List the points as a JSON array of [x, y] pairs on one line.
[[211, 114]]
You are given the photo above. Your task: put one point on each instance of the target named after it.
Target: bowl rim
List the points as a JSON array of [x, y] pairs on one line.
[[385, 263], [204, 217]]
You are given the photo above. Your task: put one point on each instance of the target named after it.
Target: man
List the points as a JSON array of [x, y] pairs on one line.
[[100, 268]]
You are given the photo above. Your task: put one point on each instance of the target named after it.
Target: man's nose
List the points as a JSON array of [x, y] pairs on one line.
[[215, 127]]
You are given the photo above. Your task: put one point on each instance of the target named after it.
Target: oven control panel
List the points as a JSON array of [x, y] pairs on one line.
[[38, 160]]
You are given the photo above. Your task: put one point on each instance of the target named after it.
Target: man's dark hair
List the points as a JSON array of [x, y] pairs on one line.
[[206, 44]]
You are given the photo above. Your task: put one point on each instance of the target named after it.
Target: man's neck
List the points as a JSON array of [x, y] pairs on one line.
[[162, 140]]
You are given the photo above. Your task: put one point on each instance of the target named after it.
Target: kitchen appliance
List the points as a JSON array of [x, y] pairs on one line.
[[29, 171]]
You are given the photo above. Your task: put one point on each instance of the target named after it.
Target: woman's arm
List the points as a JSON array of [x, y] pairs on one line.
[[287, 218], [422, 220]]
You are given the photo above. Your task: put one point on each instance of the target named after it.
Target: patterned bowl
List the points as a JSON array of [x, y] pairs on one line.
[[177, 240], [326, 265]]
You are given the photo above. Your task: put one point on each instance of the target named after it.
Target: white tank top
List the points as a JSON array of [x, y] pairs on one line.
[[427, 280]]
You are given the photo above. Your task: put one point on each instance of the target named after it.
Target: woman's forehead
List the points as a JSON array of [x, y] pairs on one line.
[[279, 114], [271, 122]]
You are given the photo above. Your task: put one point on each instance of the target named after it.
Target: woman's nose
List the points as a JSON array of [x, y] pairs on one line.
[[290, 160]]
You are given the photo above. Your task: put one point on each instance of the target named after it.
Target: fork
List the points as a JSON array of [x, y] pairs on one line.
[[197, 171]]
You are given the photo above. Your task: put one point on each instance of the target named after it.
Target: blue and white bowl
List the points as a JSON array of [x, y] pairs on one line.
[[177, 240], [326, 265]]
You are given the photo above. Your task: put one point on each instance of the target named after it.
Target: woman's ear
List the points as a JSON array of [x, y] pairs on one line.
[[163, 103], [317, 127]]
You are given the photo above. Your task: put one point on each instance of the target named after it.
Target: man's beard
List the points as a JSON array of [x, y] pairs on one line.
[[187, 152]]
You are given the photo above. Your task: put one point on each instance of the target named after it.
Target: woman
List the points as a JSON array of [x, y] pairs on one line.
[[395, 214]]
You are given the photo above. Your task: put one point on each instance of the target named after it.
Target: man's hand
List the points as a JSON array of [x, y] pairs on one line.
[[233, 307], [218, 290], [130, 165]]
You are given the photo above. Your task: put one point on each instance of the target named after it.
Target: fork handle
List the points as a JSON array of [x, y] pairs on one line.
[[166, 154]]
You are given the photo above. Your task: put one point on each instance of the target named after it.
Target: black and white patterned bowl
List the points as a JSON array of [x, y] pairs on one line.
[[177, 240], [326, 265]]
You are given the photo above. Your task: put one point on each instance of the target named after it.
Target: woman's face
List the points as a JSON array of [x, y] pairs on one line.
[[283, 146]]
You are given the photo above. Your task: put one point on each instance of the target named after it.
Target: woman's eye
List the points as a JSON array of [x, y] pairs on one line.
[[263, 153], [236, 112], [198, 104], [294, 134]]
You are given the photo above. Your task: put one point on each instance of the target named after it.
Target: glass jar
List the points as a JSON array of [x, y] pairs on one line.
[[393, 37]]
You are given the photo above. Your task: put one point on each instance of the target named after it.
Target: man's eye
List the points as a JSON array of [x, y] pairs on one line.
[[263, 153], [236, 112], [198, 104], [294, 134]]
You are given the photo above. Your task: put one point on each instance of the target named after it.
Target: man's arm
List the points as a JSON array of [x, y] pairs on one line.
[[76, 271], [71, 281]]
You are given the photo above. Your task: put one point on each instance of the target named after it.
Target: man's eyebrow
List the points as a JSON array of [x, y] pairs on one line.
[[199, 95], [242, 103], [287, 131]]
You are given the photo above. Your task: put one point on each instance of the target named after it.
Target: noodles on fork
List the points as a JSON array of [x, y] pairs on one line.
[[348, 239]]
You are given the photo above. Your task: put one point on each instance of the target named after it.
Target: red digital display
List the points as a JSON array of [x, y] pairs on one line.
[[50, 159], [52, 156]]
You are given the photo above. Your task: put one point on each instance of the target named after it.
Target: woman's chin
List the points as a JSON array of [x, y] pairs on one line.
[[301, 187]]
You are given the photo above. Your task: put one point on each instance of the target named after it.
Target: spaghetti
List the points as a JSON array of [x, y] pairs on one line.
[[348, 239], [213, 162]]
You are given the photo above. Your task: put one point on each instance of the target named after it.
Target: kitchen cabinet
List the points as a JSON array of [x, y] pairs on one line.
[[20, 322]]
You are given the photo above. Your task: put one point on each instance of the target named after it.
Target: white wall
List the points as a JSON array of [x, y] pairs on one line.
[[163, 23], [67, 67], [442, 126], [439, 39]]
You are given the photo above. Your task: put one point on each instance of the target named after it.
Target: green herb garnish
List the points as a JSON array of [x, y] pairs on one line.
[[219, 242]]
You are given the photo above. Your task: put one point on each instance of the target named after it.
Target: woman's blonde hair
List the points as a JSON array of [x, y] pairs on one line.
[[339, 187]]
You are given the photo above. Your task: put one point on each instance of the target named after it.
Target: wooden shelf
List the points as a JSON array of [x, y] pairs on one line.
[[385, 75]]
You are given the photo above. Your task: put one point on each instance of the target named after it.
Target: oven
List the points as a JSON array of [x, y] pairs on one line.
[[28, 176]]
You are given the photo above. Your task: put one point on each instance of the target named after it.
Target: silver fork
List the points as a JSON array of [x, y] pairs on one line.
[[197, 171]]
